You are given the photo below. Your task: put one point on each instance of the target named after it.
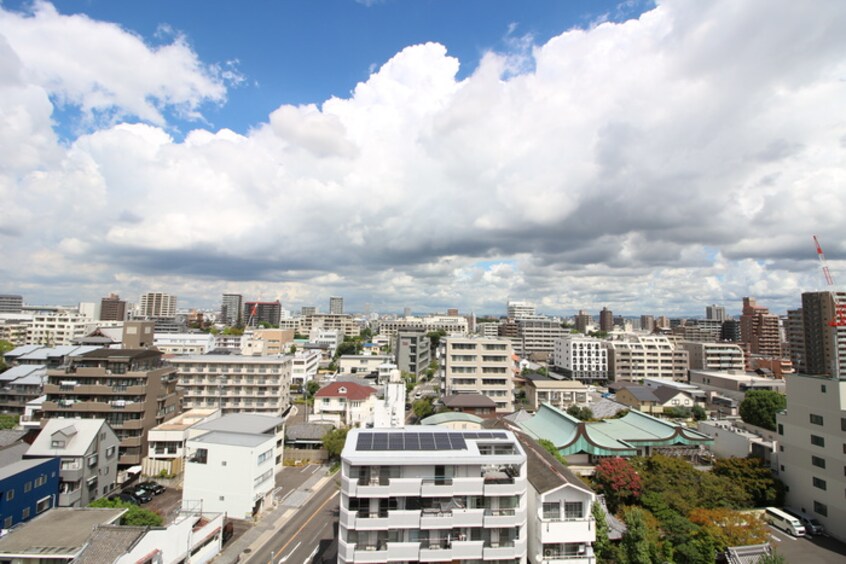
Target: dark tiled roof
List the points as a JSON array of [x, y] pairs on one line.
[[642, 393], [665, 393], [307, 431], [118, 354], [108, 543], [468, 400]]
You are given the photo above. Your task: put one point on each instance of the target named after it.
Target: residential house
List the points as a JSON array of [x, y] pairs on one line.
[[27, 487], [345, 403]]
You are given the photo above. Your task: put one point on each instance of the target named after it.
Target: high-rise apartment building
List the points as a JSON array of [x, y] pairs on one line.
[[715, 313], [133, 390], [647, 323], [232, 309], [794, 328], [424, 494], [759, 329], [730, 331], [606, 320], [256, 313], [158, 305], [10, 303], [583, 321], [824, 339], [308, 310], [112, 308], [411, 346], [662, 322], [538, 335], [581, 358], [517, 310], [336, 305], [475, 365]]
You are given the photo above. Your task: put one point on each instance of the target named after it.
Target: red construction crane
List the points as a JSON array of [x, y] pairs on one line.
[[839, 319]]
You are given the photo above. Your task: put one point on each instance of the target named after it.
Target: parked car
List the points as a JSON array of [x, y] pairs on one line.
[[151, 486], [139, 493], [812, 526], [124, 497]]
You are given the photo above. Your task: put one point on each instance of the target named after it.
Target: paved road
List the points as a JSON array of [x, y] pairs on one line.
[[307, 536], [807, 550]]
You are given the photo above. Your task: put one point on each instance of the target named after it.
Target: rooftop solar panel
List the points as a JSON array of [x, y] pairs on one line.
[[398, 441]]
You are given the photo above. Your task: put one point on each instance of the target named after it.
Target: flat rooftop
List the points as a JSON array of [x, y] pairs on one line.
[[58, 532]]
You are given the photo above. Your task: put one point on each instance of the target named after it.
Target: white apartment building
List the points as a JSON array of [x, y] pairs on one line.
[[425, 494], [631, 358], [581, 358], [265, 342], [235, 383], [157, 304], [812, 457], [478, 365], [57, 329], [517, 310], [305, 364], [538, 335], [330, 338], [184, 343], [487, 329], [230, 473], [362, 363], [714, 356], [451, 324], [342, 323], [562, 529], [223, 341]]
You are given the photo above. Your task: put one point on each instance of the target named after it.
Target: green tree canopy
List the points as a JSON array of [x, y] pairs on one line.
[[699, 412], [8, 421], [755, 477], [759, 407], [640, 543], [581, 413], [134, 517], [602, 546], [423, 408], [333, 442]]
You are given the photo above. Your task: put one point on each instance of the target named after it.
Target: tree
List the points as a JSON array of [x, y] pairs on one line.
[[311, 388], [5, 346], [730, 528], [423, 408], [677, 412], [754, 477], [8, 421], [618, 480], [759, 407], [134, 517], [580, 413], [293, 349], [699, 413], [549, 447], [435, 338], [637, 547], [333, 442], [602, 547], [347, 347]]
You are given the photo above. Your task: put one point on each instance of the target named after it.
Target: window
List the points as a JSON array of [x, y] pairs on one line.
[[780, 429], [816, 419], [10, 495], [819, 483], [41, 480], [265, 456], [43, 504], [818, 462], [573, 510], [816, 440], [57, 444], [7, 523], [820, 509], [843, 428], [551, 510], [25, 513], [822, 388], [27, 487]]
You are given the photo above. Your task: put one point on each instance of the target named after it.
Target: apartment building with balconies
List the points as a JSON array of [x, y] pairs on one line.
[[631, 358], [88, 453], [235, 383], [20, 385], [423, 494], [581, 358], [714, 356], [132, 389], [411, 346], [480, 365]]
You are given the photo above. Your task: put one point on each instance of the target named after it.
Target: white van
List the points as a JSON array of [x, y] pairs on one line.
[[787, 523]]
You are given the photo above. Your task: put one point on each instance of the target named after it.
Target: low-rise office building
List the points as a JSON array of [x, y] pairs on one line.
[[426, 493], [27, 487], [558, 393], [166, 450], [184, 343], [362, 363]]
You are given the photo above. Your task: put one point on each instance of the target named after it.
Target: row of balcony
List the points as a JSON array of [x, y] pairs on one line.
[[94, 406], [430, 519], [95, 389], [442, 550], [423, 487]]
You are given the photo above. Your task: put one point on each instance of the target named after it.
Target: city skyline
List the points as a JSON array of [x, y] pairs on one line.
[[649, 158]]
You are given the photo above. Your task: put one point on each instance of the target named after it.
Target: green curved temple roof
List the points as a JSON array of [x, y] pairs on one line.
[[620, 437]]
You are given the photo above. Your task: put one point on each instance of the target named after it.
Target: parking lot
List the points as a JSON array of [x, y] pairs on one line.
[[807, 550]]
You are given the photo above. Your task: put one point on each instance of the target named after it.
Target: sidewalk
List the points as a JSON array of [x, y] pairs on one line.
[[270, 522]]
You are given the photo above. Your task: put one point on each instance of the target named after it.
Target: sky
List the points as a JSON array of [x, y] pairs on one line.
[[653, 158]]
